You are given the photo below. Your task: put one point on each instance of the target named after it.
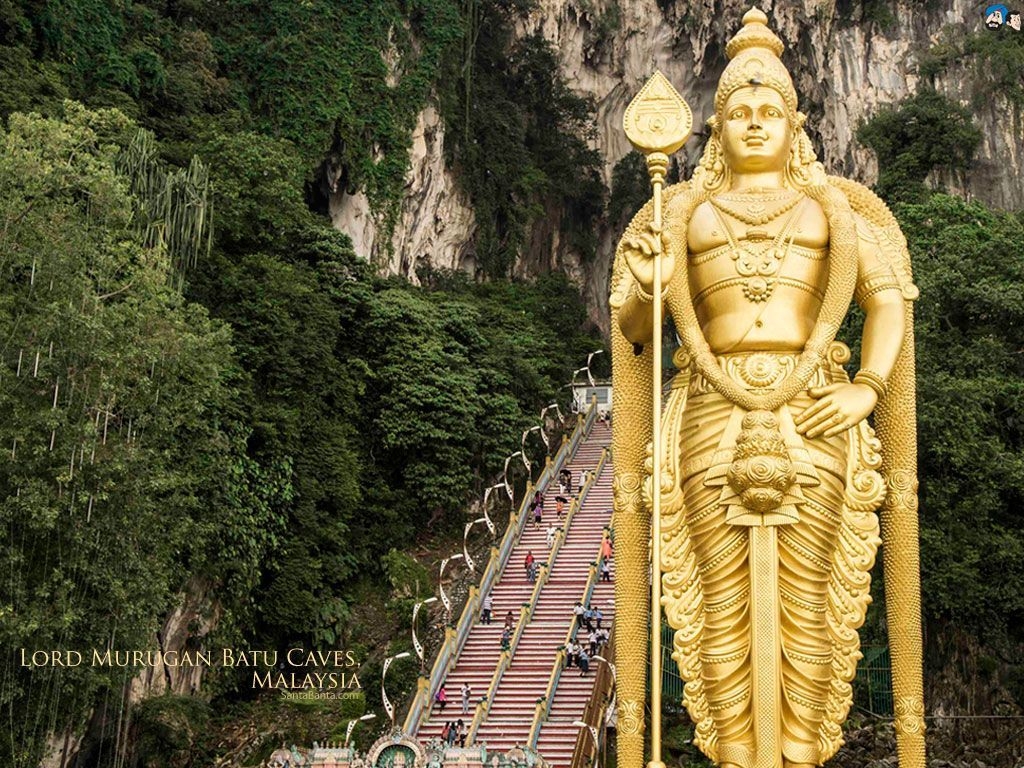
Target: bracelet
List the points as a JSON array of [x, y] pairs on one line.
[[644, 296], [869, 378]]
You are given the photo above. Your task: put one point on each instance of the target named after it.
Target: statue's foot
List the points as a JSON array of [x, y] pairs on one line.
[[789, 764]]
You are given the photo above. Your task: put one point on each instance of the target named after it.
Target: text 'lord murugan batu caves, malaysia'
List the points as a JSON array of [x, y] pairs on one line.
[[770, 479]]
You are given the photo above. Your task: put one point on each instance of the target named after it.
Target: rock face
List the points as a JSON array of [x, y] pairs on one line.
[[435, 224], [847, 63], [184, 629], [187, 624]]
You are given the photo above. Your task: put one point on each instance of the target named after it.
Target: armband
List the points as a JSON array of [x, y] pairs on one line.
[[876, 281]]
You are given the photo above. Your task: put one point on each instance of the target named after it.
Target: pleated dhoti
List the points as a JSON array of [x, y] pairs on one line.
[[764, 564]]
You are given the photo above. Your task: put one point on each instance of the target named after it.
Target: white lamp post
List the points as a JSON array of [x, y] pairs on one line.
[[486, 507], [352, 725], [590, 378], [577, 372], [576, 407], [522, 441], [440, 586], [415, 640], [591, 356], [508, 485], [546, 408], [593, 733], [465, 541], [388, 707], [611, 665], [543, 420]]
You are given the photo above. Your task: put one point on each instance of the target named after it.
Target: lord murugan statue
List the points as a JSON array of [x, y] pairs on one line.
[[770, 475]]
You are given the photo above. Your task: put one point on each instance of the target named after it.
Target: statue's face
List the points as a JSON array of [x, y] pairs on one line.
[[756, 134]]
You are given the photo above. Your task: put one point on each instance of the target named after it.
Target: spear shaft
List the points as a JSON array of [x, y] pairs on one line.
[[657, 122]]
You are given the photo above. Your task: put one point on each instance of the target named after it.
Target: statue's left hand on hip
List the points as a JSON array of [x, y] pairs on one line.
[[839, 407]]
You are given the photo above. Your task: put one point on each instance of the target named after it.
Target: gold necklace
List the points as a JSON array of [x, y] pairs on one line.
[[769, 194], [758, 260], [756, 213]]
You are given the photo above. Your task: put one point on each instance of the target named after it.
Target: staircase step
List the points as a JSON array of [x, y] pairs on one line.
[[511, 713]]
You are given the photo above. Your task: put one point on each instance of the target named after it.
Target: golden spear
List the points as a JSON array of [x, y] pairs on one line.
[[657, 123]]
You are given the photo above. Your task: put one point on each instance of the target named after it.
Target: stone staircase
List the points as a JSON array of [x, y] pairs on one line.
[[510, 715]]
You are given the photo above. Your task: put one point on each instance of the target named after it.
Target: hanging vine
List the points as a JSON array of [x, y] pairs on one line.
[[173, 207]]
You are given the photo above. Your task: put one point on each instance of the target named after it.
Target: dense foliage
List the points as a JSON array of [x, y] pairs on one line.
[[283, 417], [314, 73], [343, 83], [276, 451], [925, 132], [124, 471], [969, 264]]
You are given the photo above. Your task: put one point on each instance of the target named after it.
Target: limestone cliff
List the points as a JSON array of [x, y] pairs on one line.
[[848, 57], [436, 222]]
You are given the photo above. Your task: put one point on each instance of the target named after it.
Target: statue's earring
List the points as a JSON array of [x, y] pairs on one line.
[[711, 155], [797, 164], [806, 150], [713, 164], [715, 156]]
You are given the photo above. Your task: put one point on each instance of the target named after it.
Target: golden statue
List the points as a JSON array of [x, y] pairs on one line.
[[770, 475]]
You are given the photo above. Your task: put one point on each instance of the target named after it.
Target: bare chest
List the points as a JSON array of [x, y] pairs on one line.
[[757, 281], [746, 244]]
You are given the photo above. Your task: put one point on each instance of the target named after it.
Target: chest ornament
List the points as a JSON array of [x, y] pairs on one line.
[[755, 210], [756, 258]]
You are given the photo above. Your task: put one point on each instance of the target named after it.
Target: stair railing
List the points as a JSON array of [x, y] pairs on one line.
[[504, 660], [455, 637], [594, 710], [575, 504], [543, 709]]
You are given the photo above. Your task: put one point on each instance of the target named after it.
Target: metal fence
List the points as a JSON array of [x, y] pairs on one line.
[[872, 688], [671, 682]]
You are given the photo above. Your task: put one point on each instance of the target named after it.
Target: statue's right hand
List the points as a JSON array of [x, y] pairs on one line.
[[642, 250]]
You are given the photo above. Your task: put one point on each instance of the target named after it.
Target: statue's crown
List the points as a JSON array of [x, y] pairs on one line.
[[754, 60]]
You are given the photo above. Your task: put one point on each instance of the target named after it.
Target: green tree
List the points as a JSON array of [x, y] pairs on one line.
[[119, 425], [302, 400], [257, 186], [969, 265], [922, 133]]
